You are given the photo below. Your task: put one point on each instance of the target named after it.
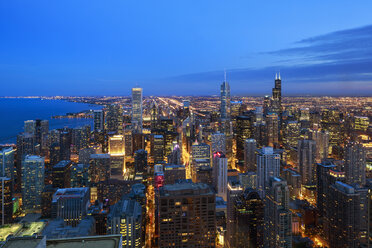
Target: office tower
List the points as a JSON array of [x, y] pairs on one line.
[[331, 122], [291, 133], [125, 218], [186, 108], [268, 165], [250, 147], [154, 115], [117, 152], [25, 146], [54, 154], [244, 127], [236, 108], [173, 172], [80, 175], [7, 162], [248, 179], [140, 160], [249, 219], [114, 119], [272, 129], [62, 174], [355, 163], [347, 218], [157, 146], [70, 204], [80, 138], [204, 174], [322, 144], [278, 226], [65, 144], [84, 155], [234, 189], [29, 127], [46, 201], [293, 179], [218, 141], [266, 105], [306, 161], [99, 169], [220, 174], [186, 215], [98, 120], [276, 101], [361, 123], [6, 194], [137, 109], [225, 98], [175, 156], [32, 183]]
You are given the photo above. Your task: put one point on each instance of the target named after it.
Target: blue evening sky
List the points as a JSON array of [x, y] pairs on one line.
[[95, 47]]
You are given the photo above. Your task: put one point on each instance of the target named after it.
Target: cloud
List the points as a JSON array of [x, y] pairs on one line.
[[327, 61]]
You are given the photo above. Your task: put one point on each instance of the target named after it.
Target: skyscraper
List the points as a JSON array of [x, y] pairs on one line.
[[306, 161], [278, 226], [6, 198], [355, 163], [276, 102], [137, 109], [7, 162], [32, 183], [187, 215], [218, 141], [234, 189], [244, 127], [98, 121], [220, 174], [114, 119], [268, 165], [250, 147], [225, 100], [322, 144], [272, 129]]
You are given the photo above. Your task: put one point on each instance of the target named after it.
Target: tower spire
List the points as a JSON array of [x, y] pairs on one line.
[[276, 76], [224, 70], [279, 75]]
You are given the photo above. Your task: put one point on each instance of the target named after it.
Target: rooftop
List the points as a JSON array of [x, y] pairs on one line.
[[107, 241]]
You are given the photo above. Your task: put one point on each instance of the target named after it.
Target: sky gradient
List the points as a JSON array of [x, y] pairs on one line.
[[93, 47]]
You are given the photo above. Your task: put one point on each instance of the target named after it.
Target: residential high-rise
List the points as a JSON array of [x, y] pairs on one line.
[[137, 109], [125, 218], [70, 204], [225, 100], [250, 147], [268, 165], [306, 161], [186, 215], [32, 183], [249, 220], [98, 121], [218, 141], [220, 174], [355, 163], [278, 226]]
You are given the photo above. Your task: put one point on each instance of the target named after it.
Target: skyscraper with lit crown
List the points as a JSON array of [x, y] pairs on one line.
[[137, 109]]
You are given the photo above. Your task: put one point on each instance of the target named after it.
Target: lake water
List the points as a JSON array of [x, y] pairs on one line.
[[13, 112]]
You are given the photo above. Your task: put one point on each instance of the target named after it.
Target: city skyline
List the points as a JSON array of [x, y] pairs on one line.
[[106, 49]]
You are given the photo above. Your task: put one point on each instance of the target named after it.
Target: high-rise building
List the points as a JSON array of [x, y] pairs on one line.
[[157, 146], [137, 109], [361, 123], [331, 122], [276, 101], [234, 189], [140, 160], [99, 169], [172, 173], [7, 162], [6, 199], [268, 165], [272, 129], [125, 218], [80, 175], [186, 215], [80, 138], [32, 183], [70, 204], [244, 126], [114, 119], [62, 174], [278, 226], [250, 147], [347, 216], [218, 141], [355, 163], [225, 100], [291, 133], [306, 161], [117, 152], [322, 144], [220, 174], [98, 120], [249, 219]]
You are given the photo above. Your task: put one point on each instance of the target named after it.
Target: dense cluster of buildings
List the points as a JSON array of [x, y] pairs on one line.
[[160, 172]]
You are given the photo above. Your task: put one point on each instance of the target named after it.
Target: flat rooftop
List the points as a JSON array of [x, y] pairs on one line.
[[106, 241]]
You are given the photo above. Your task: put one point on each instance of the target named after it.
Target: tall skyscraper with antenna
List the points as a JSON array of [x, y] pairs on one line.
[[225, 100], [276, 104], [137, 109]]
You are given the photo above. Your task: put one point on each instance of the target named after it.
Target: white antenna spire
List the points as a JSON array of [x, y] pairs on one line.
[[279, 75], [224, 74], [276, 76]]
